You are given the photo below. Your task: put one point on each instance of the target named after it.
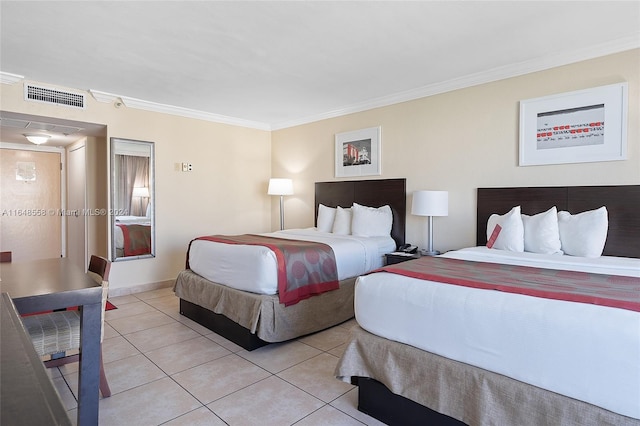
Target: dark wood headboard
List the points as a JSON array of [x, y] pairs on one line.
[[371, 193], [622, 203]]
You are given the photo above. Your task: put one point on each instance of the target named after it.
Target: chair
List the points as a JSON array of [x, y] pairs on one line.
[[57, 333]]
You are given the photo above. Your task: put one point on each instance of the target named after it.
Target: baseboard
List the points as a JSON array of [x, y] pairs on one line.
[[140, 288]]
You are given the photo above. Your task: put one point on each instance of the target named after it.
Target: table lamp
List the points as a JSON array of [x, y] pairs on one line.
[[430, 203]]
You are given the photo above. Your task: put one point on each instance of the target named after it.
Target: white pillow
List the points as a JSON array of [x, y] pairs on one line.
[[584, 234], [342, 222], [541, 233], [326, 216], [370, 221], [510, 233]]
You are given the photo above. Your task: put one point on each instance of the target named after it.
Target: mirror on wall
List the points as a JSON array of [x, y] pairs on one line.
[[132, 199]]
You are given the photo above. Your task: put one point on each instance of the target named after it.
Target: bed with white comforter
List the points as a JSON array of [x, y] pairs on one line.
[[458, 339], [232, 289], [239, 283], [119, 237], [253, 268], [584, 351]]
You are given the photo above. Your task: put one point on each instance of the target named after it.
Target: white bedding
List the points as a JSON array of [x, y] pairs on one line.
[[584, 351], [133, 220], [253, 268], [127, 220]]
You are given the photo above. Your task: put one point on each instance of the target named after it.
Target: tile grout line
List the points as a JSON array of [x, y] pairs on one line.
[[231, 352], [202, 404]]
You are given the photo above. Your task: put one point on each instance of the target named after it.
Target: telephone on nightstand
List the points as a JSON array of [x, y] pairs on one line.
[[408, 248]]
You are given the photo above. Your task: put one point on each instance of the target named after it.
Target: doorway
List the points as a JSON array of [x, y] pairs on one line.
[[91, 185], [30, 206]]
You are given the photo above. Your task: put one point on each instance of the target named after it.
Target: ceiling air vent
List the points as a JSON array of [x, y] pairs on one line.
[[52, 95]]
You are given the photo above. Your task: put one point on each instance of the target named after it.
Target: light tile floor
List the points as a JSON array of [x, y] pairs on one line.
[[164, 369]]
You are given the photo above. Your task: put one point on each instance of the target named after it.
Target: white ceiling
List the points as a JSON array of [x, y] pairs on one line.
[[272, 65], [15, 126]]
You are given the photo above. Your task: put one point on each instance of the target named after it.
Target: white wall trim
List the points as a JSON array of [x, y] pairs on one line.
[[169, 109], [31, 147], [8, 78], [103, 96], [495, 74]]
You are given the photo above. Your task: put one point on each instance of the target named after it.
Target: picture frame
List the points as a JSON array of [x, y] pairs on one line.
[[358, 153], [574, 127]]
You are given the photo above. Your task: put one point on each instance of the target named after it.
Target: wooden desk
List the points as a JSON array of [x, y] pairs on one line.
[[43, 285], [28, 395]]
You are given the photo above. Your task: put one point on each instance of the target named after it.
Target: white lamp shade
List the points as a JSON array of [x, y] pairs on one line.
[[430, 203], [141, 191], [279, 186]]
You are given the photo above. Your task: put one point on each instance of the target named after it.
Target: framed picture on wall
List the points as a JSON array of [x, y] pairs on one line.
[[358, 153], [574, 127]]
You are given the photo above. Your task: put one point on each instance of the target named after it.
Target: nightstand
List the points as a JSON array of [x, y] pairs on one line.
[[399, 257]]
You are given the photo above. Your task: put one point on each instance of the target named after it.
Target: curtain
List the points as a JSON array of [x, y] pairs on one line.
[[133, 172]]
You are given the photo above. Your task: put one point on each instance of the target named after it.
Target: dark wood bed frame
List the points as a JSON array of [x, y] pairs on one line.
[[622, 203], [623, 239], [371, 193]]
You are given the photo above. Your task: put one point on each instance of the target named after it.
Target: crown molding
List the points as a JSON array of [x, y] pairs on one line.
[[8, 78], [495, 74], [190, 113], [173, 110], [103, 97]]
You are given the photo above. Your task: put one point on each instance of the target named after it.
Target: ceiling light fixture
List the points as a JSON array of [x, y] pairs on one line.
[[37, 139]]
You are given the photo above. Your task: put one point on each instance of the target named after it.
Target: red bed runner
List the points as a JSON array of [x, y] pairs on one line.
[[305, 268], [598, 289], [137, 239]]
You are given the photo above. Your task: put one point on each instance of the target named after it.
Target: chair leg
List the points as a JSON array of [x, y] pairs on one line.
[[58, 362], [104, 386]]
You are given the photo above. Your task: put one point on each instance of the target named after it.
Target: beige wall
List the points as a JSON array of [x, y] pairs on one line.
[[225, 193], [97, 196], [459, 141]]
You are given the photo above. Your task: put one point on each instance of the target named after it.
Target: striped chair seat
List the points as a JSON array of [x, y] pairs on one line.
[[54, 332]]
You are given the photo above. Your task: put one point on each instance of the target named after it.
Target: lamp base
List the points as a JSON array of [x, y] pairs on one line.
[[429, 252]]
